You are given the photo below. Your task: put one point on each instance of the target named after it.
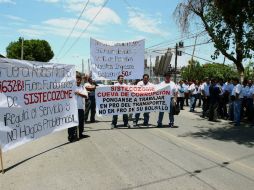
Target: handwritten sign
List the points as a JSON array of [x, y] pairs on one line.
[[108, 60], [116, 100], [36, 99]]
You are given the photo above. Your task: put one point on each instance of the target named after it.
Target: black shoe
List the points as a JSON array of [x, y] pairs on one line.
[[127, 125], [72, 139], [83, 136], [159, 125]]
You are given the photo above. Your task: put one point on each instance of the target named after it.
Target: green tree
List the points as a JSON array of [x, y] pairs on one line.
[[249, 71], [229, 23], [34, 50], [217, 70], [194, 71], [212, 70]]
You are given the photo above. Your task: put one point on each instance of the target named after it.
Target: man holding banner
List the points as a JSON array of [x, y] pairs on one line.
[[120, 79], [168, 82], [144, 82], [80, 94]]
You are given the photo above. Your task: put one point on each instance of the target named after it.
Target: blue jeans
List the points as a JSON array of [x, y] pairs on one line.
[[146, 117], [193, 99], [237, 111], [170, 114]]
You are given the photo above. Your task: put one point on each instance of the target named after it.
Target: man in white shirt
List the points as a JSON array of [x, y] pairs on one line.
[[144, 82], [167, 82], [205, 96], [186, 92], [237, 103], [180, 94], [90, 86], [80, 94], [193, 89], [120, 82]]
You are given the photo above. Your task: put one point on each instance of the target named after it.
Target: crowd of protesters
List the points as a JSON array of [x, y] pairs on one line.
[[219, 99]]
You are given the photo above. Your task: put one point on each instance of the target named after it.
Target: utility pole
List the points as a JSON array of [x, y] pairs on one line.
[[22, 49], [88, 66], [83, 70], [194, 48], [176, 52], [224, 60], [150, 66]]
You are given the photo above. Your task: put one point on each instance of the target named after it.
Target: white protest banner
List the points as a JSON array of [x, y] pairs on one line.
[[36, 99], [108, 60], [116, 100]]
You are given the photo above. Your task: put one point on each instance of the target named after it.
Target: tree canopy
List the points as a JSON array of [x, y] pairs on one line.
[[34, 50], [229, 23], [195, 71]]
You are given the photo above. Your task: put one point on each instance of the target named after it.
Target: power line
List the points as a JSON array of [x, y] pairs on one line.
[[199, 57], [158, 50], [85, 28], [173, 41], [67, 39]]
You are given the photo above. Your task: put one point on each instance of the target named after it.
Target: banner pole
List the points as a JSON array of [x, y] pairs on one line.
[[1, 158]]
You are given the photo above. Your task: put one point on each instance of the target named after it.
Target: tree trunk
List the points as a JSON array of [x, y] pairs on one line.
[[240, 69]]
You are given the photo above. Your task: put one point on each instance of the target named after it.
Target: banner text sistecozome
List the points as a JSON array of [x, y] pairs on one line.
[[36, 99], [117, 100]]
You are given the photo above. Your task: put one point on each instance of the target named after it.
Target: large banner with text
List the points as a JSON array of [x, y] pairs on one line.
[[36, 99], [117, 100], [109, 59]]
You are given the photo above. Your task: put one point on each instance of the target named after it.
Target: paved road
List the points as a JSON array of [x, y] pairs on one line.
[[196, 154]]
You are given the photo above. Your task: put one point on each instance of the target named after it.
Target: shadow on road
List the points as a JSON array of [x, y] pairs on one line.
[[23, 161], [241, 135]]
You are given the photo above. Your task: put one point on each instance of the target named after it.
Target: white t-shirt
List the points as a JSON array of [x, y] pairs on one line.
[[228, 87], [87, 84], [141, 83], [205, 88], [193, 89], [245, 91], [186, 86], [237, 90], [180, 90], [172, 86], [80, 100], [118, 84]]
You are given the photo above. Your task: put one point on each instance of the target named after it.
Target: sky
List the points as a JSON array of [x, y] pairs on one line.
[[119, 20]]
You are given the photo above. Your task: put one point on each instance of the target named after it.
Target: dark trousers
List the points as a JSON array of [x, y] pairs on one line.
[[222, 108], [250, 110], [72, 132], [213, 111], [115, 118], [146, 118], [180, 102], [186, 97], [199, 99], [205, 106], [90, 106]]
